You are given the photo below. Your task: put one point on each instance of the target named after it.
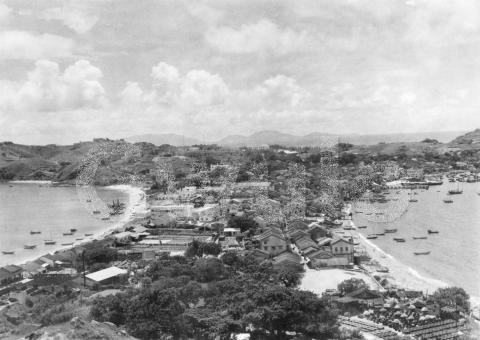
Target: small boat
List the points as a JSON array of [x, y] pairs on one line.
[[67, 244], [419, 237], [68, 234], [29, 246], [73, 230], [391, 230], [380, 234], [105, 218], [413, 200], [7, 252], [399, 239], [422, 252], [456, 191], [368, 213], [88, 234], [372, 236], [79, 239], [96, 212], [50, 242], [362, 227], [358, 212], [33, 232], [380, 213], [430, 231], [448, 200]]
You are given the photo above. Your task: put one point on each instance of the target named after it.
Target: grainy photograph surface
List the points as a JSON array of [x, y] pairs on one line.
[[240, 169]]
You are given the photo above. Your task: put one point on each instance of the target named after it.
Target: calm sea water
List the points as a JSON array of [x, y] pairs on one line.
[[51, 210], [455, 250]]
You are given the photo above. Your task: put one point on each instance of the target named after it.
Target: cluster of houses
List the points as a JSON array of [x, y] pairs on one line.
[[318, 244]]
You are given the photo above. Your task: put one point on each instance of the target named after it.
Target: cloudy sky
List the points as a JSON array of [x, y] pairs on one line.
[[74, 70]]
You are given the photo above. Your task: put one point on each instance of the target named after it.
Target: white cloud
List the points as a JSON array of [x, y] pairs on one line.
[[75, 19], [47, 89], [26, 45], [282, 91], [263, 36], [197, 88], [4, 12]]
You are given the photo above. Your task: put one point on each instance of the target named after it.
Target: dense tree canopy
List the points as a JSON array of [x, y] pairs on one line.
[[455, 297], [232, 298]]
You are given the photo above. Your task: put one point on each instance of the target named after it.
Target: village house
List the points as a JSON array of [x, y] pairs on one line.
[[10, 273], [105, 276], [343, 248], [207, 213], [181, 211], [271, 241], [306, 245], [231, 232], [286, 258]]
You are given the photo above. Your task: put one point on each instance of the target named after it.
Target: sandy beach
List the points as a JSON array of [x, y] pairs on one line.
[[399, 274]]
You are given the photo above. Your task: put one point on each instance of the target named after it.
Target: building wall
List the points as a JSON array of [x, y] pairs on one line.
[[273, 245], [343, 249]]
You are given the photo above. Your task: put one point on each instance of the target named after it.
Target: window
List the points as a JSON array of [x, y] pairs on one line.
[[336, 249], [273, 247], [265, 248], [346, 248], [265, 242], [341, 249], [280, 247]]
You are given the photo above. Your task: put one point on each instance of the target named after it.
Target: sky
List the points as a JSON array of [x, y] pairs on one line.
[[76, 70]]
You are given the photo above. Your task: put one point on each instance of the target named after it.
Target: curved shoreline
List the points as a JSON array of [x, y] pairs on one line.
[[399, 273], [136, 204]]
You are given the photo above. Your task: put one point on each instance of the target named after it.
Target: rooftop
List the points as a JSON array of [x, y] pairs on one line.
[[106, 273]]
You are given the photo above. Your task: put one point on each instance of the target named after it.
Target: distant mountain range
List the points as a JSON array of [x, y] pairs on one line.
[[269, 137], [165, 138], [63, 162]]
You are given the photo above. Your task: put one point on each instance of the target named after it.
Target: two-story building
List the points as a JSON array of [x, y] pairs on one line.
[[271, 241], [342, 248]]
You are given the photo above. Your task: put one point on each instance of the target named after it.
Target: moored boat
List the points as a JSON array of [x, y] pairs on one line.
[[29, 246], [105, 218], [88, 234], [79, 239], [34, 232], [399, 239], [8, 252], [68, 234], [50, 242], [419, 237], [67, 244], [421, 252], [96, 211], [372, 236], [447, 200], [73, 230], [382, 270], [362, 227], [413, 200], [431, 231], [394, 230]]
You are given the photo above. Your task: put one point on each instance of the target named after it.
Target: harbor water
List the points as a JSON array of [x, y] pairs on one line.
[[454, 256], [53, 211]]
